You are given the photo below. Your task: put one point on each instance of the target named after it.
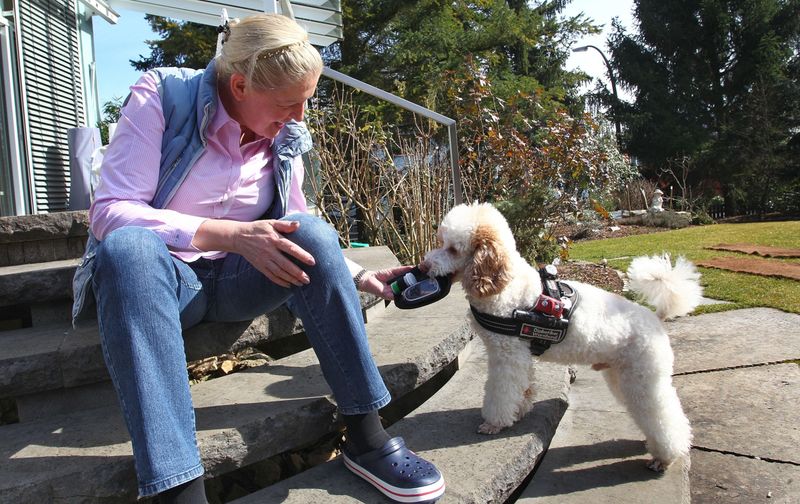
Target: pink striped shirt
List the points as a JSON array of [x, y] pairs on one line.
[[228, 181]]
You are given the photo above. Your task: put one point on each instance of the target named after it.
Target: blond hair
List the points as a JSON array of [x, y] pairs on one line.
[[270, 50]]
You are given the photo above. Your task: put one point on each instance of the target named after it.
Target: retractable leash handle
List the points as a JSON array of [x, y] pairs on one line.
[[414, 289]]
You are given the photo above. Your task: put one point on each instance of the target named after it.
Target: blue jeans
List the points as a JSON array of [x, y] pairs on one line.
[[146, 297]]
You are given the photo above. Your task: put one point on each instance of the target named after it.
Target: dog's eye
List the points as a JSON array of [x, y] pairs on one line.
[[452, 250]]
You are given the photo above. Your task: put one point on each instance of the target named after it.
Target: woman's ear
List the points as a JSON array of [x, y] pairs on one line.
[[238, 86], [488, 273]]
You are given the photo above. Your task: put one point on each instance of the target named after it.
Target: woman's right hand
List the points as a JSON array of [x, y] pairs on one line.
[[264, 245]]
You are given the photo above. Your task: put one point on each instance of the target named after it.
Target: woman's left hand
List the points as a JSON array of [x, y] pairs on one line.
[[374, 282]]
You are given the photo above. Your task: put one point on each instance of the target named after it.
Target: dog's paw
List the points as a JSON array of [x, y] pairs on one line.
[[656, 466], [489, 428]]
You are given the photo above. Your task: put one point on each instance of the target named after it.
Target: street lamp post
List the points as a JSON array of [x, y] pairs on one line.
[[613, 89]]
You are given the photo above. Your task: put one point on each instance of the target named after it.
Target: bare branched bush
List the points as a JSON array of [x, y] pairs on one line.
[[538, 167], [394, 191], [677, 173], [635, 195]]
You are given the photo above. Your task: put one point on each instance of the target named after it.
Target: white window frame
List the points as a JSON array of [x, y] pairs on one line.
[[13, 124]]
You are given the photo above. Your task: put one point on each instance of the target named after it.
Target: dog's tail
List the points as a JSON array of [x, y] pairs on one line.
[[674, 291]]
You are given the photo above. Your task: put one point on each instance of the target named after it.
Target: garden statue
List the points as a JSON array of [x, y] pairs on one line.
[[657, 202]]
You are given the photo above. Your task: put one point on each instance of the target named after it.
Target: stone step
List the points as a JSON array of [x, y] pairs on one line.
[[37, 282], [35, 360], [43, 237], [477, 468], [241, 418], [59, 359], [41, 282]]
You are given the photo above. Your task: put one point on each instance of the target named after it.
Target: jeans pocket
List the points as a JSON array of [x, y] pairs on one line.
[[189, 278]]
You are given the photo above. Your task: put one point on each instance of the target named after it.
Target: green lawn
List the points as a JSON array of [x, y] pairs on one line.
[[743, 290]]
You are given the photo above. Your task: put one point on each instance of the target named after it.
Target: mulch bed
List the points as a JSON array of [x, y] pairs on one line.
[[590, 273], [581, 233], [761, 250], [764, 267]]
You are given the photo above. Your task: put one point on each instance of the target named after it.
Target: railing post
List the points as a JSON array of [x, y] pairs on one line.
[[458, 195]]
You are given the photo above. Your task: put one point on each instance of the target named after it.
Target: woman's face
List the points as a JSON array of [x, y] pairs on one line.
[[265, 112]]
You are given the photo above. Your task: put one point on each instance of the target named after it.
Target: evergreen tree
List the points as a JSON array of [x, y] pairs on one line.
[[182, 44], [715, 80], [407, 47]]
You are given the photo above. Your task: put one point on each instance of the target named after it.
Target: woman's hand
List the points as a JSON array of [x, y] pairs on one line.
[[263, 245], [374, 282]]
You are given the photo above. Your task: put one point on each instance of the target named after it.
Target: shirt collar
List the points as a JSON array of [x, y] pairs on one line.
[[221, 118]]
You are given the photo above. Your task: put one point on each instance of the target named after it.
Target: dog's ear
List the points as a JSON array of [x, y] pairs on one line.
[[488, 273]]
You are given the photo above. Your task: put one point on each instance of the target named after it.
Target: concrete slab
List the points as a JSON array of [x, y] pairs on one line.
[[734, 338], [726, 479], [750, 411], [477, 468], [598, 455]]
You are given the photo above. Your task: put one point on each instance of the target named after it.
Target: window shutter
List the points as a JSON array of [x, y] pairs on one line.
[[51, 66]]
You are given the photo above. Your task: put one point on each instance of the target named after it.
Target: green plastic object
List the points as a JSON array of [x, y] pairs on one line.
[[358, 245]]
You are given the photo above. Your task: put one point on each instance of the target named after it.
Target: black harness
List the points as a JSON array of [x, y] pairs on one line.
[[543, 324]]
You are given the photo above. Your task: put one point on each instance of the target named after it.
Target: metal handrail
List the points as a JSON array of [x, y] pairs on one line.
[[417, 109], [286, 10]]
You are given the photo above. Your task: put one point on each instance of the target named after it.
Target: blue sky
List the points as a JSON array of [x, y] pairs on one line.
[[116, 45]]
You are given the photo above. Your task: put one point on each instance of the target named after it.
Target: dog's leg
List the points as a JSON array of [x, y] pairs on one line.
[[611, 376], [526, 405], [654, 405], [508, 380]]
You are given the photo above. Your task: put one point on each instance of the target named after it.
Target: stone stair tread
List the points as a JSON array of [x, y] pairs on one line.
[[41, 266], [36, 282], [34, 360], [241, 418], [37, 359], [54, 225], [40, 359], [46, 281], [477, 468]]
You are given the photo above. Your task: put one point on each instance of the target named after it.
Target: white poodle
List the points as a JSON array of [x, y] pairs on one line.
[[625, 340]]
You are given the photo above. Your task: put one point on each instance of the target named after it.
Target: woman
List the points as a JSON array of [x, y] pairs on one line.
[[177, 238]]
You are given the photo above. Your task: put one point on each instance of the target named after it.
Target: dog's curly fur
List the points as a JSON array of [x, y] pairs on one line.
[[623, 339]]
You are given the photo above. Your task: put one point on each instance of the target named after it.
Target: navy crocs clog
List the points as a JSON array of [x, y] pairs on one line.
[[397, 472]]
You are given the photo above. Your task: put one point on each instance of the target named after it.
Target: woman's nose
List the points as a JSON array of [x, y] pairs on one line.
[[298, 111]]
